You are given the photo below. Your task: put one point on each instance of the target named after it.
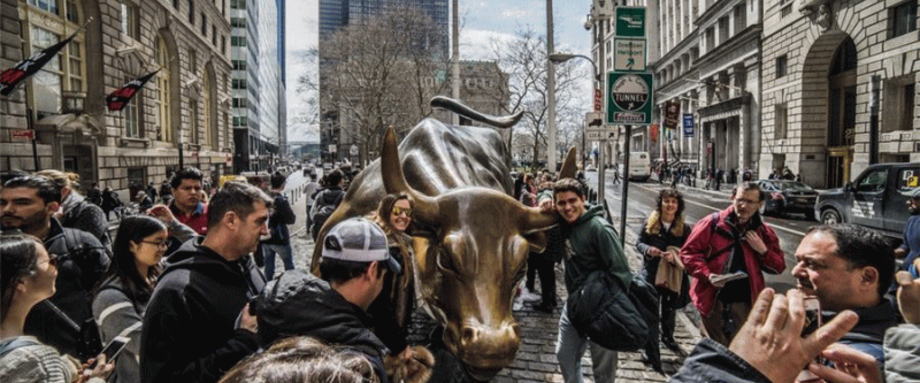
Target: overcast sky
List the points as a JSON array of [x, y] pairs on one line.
[[481, 22]]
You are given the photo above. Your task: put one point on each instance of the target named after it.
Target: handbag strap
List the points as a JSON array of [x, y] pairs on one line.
[[61, 314], [8, 346]]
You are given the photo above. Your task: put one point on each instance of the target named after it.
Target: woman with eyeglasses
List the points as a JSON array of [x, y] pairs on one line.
[[27, 274], [122, 296], [393, 307]]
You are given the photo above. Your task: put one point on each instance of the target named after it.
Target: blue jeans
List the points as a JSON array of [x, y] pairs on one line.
[[269, 251], [570, 347]]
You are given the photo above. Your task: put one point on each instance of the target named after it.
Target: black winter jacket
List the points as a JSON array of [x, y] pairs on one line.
[[282, 215], [88, 217], [661, 239], [82, 261], [712, 362], [189, 332], [300, 304]]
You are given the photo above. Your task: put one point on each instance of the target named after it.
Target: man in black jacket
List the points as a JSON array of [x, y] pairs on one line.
[[280, 241], [334, 308], [27, 203], [326, 201], [197, 324]]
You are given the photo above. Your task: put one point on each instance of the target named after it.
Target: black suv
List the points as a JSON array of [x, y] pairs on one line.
[[876, 198], [784, 196]]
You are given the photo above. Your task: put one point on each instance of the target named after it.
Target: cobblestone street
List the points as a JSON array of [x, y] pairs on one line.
[[536, 359]]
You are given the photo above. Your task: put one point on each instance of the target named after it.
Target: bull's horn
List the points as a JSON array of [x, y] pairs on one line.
[[533, 220], [465, 111], [394, 181], [568, 167]]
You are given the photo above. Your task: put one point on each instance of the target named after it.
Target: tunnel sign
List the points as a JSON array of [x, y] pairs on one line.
[[629, 98]]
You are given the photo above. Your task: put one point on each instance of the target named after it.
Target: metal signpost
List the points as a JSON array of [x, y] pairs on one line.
[[629, 88]]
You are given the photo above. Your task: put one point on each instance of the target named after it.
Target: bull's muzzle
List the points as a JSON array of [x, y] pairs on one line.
[[485, 350]]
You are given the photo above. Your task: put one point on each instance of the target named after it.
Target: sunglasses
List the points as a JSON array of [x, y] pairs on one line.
[[399, 210]]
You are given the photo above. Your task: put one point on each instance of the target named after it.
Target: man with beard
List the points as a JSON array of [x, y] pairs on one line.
[[910, 248], [727, 253], [186, 205], [849, 267], [197, 324], [27, 203]]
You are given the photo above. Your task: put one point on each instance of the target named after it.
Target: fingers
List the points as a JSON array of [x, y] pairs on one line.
[[849, 355], [904, 278], [761, 307], [829, 333], [779, 313], [796, 311], [831, 375]]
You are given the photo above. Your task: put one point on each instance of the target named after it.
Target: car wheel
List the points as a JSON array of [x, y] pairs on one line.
[[830, 217]]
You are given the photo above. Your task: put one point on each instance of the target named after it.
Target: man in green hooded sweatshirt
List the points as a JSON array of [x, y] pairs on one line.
[[590, 244]]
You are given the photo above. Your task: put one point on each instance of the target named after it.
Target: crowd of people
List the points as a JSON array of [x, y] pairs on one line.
[[191, 285]]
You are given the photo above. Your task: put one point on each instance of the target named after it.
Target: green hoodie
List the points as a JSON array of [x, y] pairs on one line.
[[591, 244]]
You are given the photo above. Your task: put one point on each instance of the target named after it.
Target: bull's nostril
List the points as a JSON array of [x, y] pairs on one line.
[[468, 335]]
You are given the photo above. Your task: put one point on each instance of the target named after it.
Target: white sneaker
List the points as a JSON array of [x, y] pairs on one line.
[[529, 296]]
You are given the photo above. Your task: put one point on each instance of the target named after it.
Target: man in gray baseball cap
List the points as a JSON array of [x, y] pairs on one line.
[[333, 307]]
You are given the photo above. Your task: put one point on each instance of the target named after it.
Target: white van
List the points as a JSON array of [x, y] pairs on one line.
[[640, 166]]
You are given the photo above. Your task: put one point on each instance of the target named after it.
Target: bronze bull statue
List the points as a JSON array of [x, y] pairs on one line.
[[472, 238]]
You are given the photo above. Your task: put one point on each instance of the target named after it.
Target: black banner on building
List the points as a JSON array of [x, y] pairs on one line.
[[671, 114], [117, 100], [25, 68]]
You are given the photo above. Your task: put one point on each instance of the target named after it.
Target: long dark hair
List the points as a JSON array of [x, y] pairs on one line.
[[133, 229], [20, 253]]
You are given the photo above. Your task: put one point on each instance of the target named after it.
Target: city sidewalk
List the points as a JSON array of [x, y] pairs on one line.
[[536, 358]]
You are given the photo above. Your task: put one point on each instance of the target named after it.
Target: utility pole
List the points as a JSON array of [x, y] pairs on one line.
[[550, 91], [455, 58]]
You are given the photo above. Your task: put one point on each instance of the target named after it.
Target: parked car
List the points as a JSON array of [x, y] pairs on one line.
[[784, 196], [875, 199]]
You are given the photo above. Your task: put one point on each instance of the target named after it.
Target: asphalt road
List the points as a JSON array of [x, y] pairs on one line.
[[643, 197]]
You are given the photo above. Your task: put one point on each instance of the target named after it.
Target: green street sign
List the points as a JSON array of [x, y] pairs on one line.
[[629, 98], [630, 22]]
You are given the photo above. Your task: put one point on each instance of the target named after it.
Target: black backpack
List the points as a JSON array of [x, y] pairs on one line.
[[617, 317], [324, 207]]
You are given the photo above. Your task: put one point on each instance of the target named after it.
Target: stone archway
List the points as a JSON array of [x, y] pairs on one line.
[[826, 154]]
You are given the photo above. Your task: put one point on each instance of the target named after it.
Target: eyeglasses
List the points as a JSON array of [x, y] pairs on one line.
[[160, 244], [400, 210]]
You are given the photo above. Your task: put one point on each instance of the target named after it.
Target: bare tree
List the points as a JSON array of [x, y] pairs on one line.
[[379, 72], [523, 59]]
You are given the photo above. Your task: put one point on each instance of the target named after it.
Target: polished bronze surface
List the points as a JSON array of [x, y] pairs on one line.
[[470, 238]]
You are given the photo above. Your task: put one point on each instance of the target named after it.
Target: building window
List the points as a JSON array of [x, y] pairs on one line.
[[902, 19], [237, 4], [723, 30], [239, 64], [49, 22], [192, 61], [237, 22], [223, 44], [785, 8], [204, 25], [214, 35], [191, 12], [238, 83], [164, 133], [129, 24], [239, 102], [238, 41], [908, 94], [779, 122], [780, 66], [193, 120], [900, 100], [208, 115], [740, 18], [132, 115], [175, 4], [239, 121], [710, 38]]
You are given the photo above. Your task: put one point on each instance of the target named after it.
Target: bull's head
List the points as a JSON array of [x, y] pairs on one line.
[[468, 266]]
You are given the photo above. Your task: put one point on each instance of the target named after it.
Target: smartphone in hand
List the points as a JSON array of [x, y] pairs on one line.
[[112, 349], [812, 323]]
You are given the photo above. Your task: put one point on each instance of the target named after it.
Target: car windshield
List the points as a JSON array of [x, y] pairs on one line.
[[795, 186]]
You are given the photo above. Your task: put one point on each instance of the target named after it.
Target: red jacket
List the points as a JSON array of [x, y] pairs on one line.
[[699, 263]]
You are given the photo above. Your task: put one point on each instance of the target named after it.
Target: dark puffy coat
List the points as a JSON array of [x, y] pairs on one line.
[[189, 332], [82, 261], [712, 362], [869, 333], [83, 215], [300, 304], [282, 215]]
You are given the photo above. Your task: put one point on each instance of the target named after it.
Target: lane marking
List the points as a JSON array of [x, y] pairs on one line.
[[772, 224]]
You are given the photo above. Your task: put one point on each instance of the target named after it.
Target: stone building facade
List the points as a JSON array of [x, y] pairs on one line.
[[841, 87], [712, 71], [178, 119]]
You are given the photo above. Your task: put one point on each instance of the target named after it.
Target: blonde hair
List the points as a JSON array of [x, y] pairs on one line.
[[62, 179]]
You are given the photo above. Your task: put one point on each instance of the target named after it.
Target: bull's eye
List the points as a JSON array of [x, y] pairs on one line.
[[446, 262]]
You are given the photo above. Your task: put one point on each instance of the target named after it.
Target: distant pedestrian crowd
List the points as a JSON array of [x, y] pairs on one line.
[[187, 289]]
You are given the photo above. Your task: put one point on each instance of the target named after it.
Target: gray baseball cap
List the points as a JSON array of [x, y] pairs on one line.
[[359, 240]]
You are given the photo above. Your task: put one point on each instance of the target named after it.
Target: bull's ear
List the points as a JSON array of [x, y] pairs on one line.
[[537, 241]]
